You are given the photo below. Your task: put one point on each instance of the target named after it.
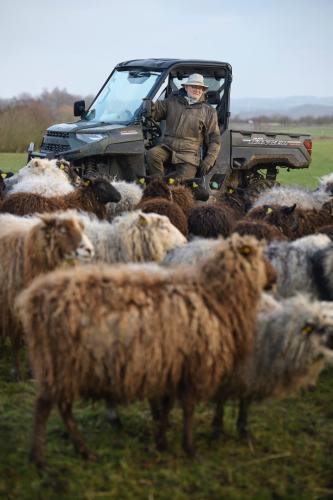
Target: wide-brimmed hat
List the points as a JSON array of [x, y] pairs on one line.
[[195, 79]]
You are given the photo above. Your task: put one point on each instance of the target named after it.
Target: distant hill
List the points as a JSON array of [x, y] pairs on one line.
[[294, 107]]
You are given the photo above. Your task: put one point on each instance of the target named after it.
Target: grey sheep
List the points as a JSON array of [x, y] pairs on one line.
[[293, 344]]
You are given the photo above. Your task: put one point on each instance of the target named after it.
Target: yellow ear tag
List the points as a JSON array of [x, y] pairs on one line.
[[306, 330], [62, 167], [143, 221], [195, 185], [171, 180], [231, 190], [142, 180], [245, 250], [269, 211], [87, 182], [4, 175]]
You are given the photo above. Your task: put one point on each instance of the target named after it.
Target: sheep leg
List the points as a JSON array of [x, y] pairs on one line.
[[242, 421], [218, 423], [43, 409], [160, 411], [113, 416], [188, 414], [65, 410]]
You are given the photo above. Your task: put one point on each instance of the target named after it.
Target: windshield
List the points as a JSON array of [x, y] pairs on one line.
[[122, 96]]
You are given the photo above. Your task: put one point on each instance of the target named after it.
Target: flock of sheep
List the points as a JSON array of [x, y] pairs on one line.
[[124, 291]]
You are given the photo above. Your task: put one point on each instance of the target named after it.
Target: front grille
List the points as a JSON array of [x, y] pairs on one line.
[[52, 133], [55, 148]]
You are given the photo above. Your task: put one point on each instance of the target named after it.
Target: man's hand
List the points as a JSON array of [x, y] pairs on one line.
[[203, 169]]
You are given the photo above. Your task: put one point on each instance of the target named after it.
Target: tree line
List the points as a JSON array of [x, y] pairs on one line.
[[24, 119]]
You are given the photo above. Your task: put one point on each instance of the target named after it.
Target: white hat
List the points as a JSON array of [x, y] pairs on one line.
[[195, 79]]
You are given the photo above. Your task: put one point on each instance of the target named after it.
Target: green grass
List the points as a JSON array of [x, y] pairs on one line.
[[292, 457]]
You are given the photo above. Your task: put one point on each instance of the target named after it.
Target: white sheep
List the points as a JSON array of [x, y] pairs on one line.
[[133, 237], [131, 195], [288, 195]]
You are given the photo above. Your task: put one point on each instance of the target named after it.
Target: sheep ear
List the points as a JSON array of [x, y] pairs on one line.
[[48, 220], [307, 329], [289, 210], [143, 221], [245, 250]]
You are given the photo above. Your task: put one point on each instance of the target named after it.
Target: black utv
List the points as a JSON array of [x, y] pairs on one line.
[[110, 136]]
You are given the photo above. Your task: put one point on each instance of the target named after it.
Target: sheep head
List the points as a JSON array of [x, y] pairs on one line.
[[102, 189], [65, 237]]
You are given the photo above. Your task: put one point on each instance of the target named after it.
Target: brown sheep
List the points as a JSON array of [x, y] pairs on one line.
[[328, 229], [29, 252], [177, 193], [258, 228], [163, 206], [293, 222], [90, 197], [210, 221], [128, 332]]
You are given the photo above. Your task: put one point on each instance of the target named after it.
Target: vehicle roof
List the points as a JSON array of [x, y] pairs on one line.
[[167, 63]]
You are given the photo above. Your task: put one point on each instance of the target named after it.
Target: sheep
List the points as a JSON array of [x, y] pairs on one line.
[[179, 194], [132, 237], [138, 331], [27, 253], [46, 177], [235, 200], [168, 208], [294, 263], [192, 253], [328, 229], [210, 221], [3, 187], [293, 222], [288, 195], [131, 195], [90, 197], [258, 228], [293, 343]]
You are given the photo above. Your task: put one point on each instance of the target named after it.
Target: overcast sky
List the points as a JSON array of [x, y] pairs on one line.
[[277, 48]]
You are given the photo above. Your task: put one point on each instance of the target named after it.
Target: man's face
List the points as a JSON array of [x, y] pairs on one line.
[[194, 91]]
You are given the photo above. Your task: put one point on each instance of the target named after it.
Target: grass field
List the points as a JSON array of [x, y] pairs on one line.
[[292, 457]]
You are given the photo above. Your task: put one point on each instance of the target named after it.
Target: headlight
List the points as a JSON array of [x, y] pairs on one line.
[[90, 137]]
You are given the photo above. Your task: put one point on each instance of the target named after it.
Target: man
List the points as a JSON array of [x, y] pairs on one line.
[[190, 124]]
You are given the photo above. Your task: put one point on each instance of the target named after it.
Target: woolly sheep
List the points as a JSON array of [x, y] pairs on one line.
[[133, 237], [27, 253], [259, 229], [131, 195], [210, 221], [293, 222], [192, 253], [288, 195], [293, 262], [90, 197], [138, 331], [168, 208], [293, 343]]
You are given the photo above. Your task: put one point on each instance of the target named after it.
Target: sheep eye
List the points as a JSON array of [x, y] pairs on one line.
[[63, 230]]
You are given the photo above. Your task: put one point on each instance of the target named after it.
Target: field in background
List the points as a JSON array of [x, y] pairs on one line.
[[291, 458]]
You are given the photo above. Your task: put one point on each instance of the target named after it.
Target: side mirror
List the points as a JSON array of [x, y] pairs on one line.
[[79, 108]]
